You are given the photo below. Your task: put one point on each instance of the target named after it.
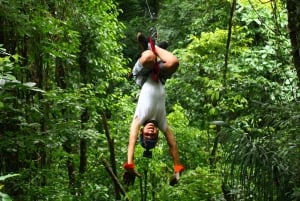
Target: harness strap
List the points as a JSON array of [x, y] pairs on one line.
[[156, 70]]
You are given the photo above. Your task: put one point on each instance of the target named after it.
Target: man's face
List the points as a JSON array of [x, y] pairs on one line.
[[150, 131]]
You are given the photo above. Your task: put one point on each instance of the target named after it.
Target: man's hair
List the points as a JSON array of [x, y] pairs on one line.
[[151, 121], [149, 143]]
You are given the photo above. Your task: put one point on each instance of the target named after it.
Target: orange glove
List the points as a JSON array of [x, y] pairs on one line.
[[178, 168], [177, 171], [129, 174]]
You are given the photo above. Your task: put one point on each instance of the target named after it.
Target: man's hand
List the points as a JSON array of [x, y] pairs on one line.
[[129, 174], [177, 171]]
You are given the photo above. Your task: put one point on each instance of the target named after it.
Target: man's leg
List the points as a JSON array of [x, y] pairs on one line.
[[170, 61], [147, 59], [168, 64]]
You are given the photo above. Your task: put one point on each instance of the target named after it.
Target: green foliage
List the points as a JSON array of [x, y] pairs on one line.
[[197, 184], [263, 151], [5, 197], [188, 138], [67, 70], [196, 17], [71, 51], [257, 76]]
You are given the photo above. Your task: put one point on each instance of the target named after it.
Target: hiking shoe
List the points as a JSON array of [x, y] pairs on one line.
[[163, 45], [142, 40]]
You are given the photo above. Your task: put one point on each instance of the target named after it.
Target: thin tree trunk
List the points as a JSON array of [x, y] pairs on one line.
[[227, 193], [213, 154], [67, 146], [114, 177], [83, 143], [228, 41], [112, 153], [293, 7], [83, 156]]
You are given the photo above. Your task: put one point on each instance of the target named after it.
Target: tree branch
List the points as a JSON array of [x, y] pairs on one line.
[[110, 142], [113, 176]]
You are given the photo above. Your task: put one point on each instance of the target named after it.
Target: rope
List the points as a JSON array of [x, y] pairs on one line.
[[153, 37], [149, 10], [156, 70]]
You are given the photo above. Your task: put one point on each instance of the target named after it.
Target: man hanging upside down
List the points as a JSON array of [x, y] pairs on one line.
[[150, 113]]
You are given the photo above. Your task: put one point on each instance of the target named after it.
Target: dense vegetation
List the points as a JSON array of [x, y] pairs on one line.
[[66, 103]]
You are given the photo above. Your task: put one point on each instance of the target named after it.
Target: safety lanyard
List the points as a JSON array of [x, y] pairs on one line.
[[156, 69]]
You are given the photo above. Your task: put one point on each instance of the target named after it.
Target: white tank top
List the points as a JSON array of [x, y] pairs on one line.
[[151, 104]]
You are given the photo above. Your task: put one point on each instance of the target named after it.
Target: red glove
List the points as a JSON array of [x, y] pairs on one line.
[[175, 178], [178, 168], [129, 174]]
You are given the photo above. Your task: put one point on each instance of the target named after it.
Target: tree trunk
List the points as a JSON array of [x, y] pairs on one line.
[[233, 6], [113, 176], [110, 142], [85, 116], [293, 8], [67, 146]]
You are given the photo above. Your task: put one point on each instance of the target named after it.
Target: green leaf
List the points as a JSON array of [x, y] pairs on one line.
[[29, 84], [2, 178], [5, 197]]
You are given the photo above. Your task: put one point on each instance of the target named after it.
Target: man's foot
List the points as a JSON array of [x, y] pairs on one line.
[[142, 40], [163, 45]]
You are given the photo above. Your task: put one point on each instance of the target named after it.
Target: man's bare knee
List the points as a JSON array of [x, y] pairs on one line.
[[148, 59], [171, 66]]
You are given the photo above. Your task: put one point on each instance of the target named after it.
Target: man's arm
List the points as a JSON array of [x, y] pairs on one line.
[[130, 173], [172, 145], [178, 168], [134, 131]]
